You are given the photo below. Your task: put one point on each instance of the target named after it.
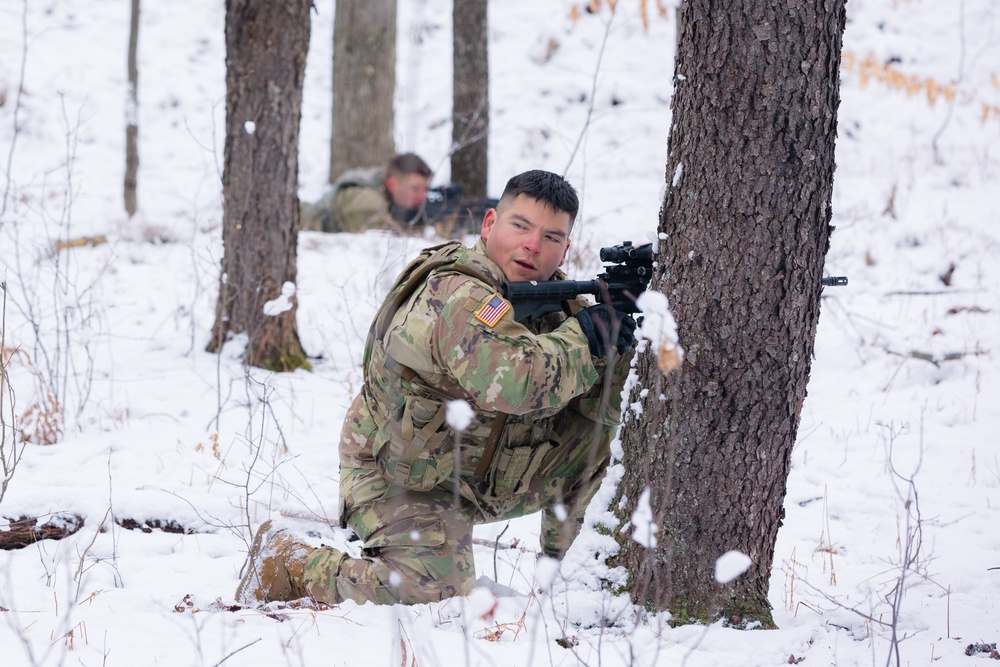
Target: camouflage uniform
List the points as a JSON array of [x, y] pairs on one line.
[[410, 487], [356, 201]]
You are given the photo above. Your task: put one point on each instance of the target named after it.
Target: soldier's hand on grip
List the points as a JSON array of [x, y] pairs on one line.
[[626, 332], [600, 322]]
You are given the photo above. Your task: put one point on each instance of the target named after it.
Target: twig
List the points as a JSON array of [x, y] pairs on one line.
[[9, 458], [237, 651], [496, 546], [593, 94], [937, 361], [17, 108], [961, 75], [83, 556], [932, 292]]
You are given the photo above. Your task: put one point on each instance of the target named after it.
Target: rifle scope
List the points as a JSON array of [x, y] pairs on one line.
[[834, 281], [628, 253]]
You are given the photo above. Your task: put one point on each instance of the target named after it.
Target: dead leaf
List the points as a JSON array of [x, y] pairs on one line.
[[668, 358]]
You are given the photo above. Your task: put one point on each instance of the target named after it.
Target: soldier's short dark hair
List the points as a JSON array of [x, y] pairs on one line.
[[543, 186], [405, 164]]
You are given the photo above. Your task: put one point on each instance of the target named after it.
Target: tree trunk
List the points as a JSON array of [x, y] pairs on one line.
[[132, 114], [364, 79], [471, 107], [266, 44], [746, 217]]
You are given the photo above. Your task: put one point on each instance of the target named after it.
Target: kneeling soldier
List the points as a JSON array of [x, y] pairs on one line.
[[539, 440]]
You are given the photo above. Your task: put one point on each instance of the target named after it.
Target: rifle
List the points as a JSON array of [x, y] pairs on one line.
[[447, 209], [626, 275]]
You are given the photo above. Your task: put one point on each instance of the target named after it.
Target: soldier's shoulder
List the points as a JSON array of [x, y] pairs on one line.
[[473, 262], [460, 281], [363, 197], [457, 289], [364, 176]]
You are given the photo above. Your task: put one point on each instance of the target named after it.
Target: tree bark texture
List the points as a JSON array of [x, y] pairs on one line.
[[746, 217], [471, 106], [132, 115], [266, 44], [364, 80]]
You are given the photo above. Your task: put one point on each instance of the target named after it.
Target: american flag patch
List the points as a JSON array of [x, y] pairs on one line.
[[491, 311]]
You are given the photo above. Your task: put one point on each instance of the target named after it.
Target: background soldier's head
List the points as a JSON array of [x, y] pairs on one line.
[[406, 180]]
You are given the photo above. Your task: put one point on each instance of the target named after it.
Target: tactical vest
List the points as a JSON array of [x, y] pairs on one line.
[[413, 447]]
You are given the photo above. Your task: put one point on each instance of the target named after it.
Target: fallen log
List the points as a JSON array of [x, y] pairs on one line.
[[25, 531], [164, 525]]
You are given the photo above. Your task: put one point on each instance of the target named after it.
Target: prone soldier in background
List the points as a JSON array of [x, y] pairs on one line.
[[412, 484], [365, 198], [397, 198]]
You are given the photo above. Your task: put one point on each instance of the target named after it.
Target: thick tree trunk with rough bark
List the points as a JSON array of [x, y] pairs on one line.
[[746, 217], [364, 80], [471, 106], [266, 44]]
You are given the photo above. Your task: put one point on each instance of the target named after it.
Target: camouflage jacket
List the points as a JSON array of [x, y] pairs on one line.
[[455, 338], [356, 201]]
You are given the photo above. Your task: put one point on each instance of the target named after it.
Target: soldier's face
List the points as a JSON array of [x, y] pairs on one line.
[[408, 191], [528, 239]]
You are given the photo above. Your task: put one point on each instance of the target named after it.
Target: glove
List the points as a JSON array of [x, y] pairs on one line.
[[600, 323]]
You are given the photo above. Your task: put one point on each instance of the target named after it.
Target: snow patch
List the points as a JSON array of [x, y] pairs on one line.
[[730, 565], [642, 519], [459, 415], [282, 303]]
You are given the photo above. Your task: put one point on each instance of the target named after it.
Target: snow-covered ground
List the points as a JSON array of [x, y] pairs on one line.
[[898, 445]]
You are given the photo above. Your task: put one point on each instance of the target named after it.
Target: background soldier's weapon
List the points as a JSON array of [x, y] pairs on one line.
[[626, 275], [448, 210]]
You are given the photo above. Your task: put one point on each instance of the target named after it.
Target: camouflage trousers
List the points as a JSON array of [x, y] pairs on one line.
[[418, 545]]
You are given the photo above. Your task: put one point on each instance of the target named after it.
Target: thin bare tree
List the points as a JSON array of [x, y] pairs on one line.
[[132, 114]]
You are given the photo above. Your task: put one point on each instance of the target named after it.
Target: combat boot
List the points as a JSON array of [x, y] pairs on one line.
[[274, 568]]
